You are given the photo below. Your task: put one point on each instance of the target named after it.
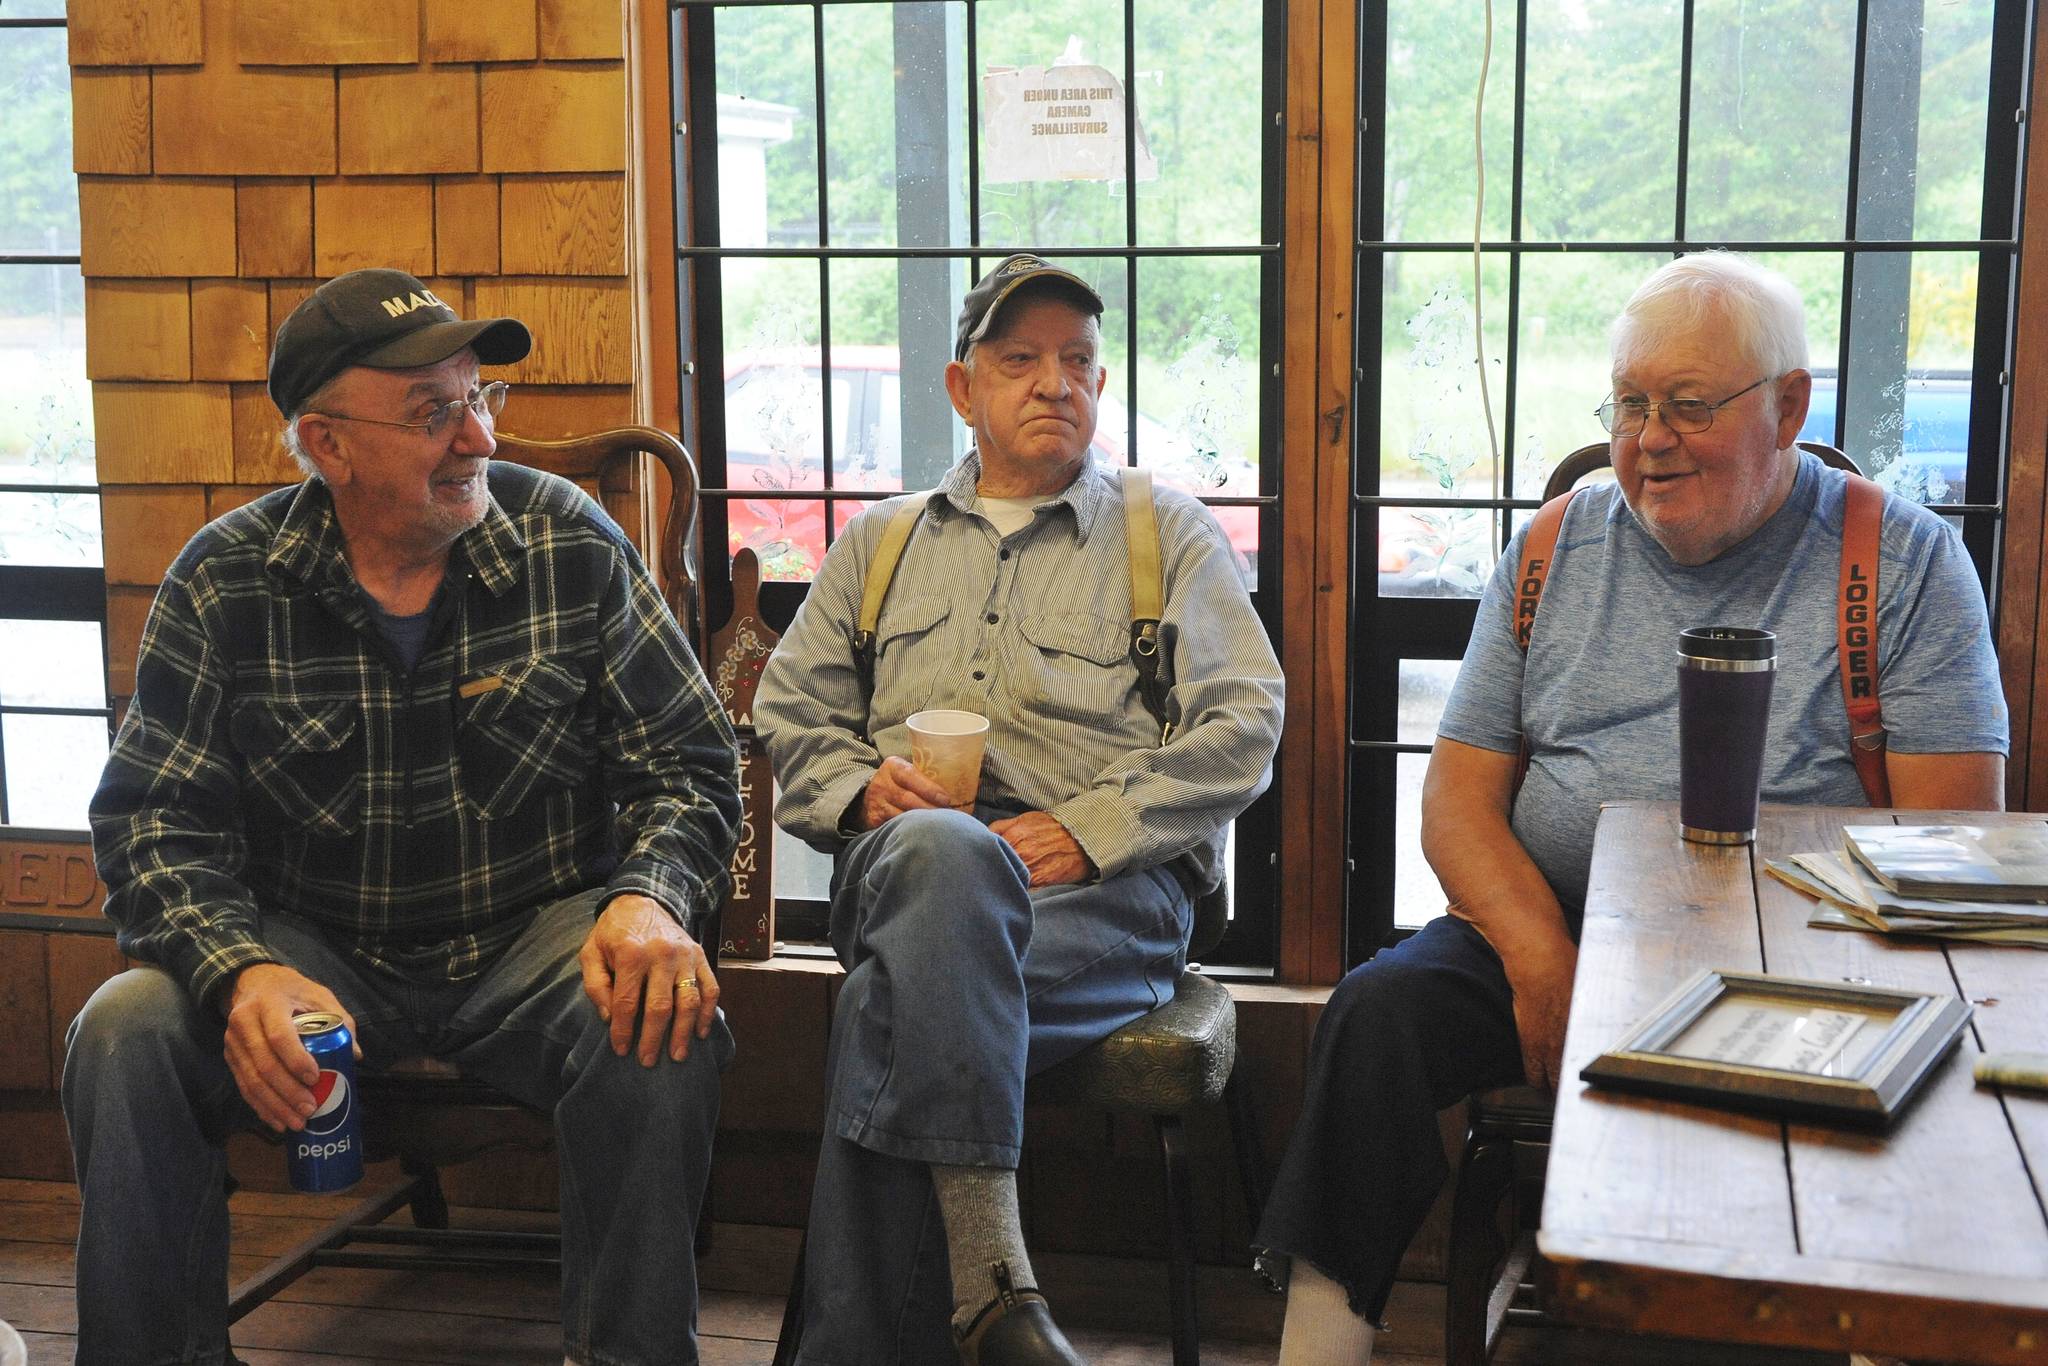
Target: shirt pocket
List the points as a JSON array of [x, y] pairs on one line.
[[302, 762], [521, 737], [1083, 667], [908, 655]]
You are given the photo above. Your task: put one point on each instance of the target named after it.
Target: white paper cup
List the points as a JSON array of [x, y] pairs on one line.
[[946, 747]]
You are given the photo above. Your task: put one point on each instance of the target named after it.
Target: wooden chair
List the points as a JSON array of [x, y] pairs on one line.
[[1164, 1065], [423, 1111], [1598, 456]]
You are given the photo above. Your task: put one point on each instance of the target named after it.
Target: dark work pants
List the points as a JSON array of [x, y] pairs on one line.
[[1418, 1028]]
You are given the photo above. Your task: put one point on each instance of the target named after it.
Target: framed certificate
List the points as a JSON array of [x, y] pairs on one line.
[[1780, 1044]]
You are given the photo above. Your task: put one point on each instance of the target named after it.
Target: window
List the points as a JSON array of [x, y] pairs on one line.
[[1869, 152], [54, 715], [856, 164]]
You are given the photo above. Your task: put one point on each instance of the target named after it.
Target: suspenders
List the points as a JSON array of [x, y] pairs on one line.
[[1141, 531], [1855, 620]]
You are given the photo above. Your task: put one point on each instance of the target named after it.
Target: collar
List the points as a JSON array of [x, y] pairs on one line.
[[1084, 495], [310, 550]]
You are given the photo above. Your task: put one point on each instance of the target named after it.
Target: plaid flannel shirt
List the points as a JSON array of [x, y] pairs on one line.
[[556, 735]]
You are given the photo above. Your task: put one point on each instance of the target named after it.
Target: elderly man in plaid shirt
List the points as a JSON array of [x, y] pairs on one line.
[[416, 742]]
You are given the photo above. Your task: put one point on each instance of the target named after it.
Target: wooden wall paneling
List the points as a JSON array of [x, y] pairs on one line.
[[293, 33], [582, 328], [274, 227], [564, 225], [79, 963], [382, 222], [260, 457], [549, 412], [127, 611], [409, 121], [146, 525], [138, 329], [134, 32], [555, 118], [110, 121], [222, 499], [223, 119], [464, 31], [2023, 568], [573, 29], [651, 227], [24, 1012], [230, 329], [466, 225], [162, 433], [162, 227], [783, 1088], [286, 295]]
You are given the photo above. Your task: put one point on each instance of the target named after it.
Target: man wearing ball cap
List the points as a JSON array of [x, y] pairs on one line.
[[418, 743]]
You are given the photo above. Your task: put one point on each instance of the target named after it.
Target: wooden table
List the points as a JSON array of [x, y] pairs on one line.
[[1660, 1216]]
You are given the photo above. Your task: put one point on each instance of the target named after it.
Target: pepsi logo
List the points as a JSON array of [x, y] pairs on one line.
[[330, 1103]]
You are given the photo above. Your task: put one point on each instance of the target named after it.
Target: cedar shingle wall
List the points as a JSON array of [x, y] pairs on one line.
[[232, 153]]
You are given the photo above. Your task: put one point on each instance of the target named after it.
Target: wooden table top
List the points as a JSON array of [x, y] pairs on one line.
[[1929, 1241]]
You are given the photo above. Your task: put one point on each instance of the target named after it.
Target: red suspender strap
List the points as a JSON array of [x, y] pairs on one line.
[[1537, 549], [1856, 634]]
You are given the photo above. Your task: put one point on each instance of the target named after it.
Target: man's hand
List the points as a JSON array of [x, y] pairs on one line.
[[271, 1066], [638, 962], [1543, 1004], [898, 787], [1046, 848]]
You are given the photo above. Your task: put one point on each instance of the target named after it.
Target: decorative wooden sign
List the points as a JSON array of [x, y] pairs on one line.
[[44, 873], [739, 651]]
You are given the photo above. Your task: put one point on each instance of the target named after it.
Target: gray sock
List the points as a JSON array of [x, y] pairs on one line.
[[983, 1226]]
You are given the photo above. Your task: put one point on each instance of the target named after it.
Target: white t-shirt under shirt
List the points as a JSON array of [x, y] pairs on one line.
[[1599, 697]]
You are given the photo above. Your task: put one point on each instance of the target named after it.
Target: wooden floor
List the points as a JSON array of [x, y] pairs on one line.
[[335, 1317]]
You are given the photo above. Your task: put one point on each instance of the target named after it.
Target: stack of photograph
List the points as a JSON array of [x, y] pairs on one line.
[[1985, 884]]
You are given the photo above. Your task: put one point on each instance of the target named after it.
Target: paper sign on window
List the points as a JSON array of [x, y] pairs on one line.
[[1062, 122]]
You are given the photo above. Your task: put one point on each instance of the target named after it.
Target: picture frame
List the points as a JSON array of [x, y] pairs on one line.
[[1783, 1045]]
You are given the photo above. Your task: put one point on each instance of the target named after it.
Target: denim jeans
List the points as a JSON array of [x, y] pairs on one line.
[[960, 983], [1417, 1028], [150, 1103]]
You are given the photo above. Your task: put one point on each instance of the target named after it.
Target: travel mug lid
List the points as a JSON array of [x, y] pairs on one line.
[[1728, 642]]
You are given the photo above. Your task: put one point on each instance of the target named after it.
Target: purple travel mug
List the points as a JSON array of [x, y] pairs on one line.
[[1724, 709]]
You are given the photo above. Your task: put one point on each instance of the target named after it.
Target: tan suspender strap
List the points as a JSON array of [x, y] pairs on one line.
[[883, 567], [1538, 548], [1856, 634], [1141, 530]]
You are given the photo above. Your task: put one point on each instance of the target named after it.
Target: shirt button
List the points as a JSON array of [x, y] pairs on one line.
[[1002, 554], [979, 675], [993, 618]]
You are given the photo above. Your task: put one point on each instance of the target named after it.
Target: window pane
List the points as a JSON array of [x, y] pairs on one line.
[[1199, 72], [801, 872], [49, 528], [34, 9], [787, 533], [45, 401], [53, 764], [39, 210], [1198, 387], [1026, 213], [1600, 146], [1769, 156], [1433, 60], [1418, 897], [767, 127], [1954, 101], [1563, 366], [887, 70], [52, 664]]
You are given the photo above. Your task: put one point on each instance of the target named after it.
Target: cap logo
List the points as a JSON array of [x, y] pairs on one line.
[[1022, 264], [400, 305]]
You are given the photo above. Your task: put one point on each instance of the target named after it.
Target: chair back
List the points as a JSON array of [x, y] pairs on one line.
[[609, 460], [1599, 456]]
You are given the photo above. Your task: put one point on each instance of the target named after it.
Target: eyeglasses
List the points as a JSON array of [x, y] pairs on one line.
[[486, 403], [1628, 416]]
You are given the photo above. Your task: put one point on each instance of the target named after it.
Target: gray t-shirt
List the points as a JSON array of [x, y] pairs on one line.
[[1600, 696]]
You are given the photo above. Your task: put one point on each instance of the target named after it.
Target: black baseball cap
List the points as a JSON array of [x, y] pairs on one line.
[[384, 319], [978, 310]]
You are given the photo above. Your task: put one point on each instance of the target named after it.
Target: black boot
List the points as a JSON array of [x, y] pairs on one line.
[[1014, 1329]]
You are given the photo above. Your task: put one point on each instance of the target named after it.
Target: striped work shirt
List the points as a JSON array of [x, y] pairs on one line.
[[556, 735], [1033, 630]]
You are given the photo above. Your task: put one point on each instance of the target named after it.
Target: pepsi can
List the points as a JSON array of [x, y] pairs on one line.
[[327, 1154]]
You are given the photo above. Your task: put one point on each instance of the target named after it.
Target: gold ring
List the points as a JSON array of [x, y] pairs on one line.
[[686, 984]]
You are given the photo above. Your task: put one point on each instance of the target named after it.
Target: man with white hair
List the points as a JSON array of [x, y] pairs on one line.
[[416, 743], [1716, 517]]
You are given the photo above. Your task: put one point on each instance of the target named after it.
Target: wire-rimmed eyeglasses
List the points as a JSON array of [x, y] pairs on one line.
[[1628, 416], [486, 403]]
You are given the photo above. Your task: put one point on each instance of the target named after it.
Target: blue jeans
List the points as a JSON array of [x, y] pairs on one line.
[[150, 1103], [960, 983]]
